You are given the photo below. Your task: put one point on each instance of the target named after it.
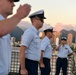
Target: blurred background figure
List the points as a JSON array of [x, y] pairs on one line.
[[64, 51], [7, 26]]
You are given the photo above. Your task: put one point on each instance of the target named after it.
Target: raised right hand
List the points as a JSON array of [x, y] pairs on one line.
[[23, 11], [24, 72]]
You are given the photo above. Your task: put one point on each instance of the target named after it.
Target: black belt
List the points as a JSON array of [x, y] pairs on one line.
[[31, 60], [62, 58], [46, 58]]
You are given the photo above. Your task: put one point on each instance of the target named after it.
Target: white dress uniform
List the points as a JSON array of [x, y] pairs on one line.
[[31, 40], [46, 47], [62, 61], [64, 50], [5, 53]]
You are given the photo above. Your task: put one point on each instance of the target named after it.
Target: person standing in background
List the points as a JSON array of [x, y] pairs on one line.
[[63, 52], [46, 52], [30, 46]]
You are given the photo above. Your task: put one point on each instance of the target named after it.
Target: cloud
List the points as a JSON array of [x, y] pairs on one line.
[[75, 27], [60, 26], [68, 27], [24, 25], [57, 27]]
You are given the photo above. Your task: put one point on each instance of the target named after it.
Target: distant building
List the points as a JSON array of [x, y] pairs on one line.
[[57, 41], [56, 37], [12, 40], [69, 39]]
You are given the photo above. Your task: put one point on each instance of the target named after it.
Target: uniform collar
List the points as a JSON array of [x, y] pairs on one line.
[[64, 45], [47, 38], [1, 17], [37, 31]]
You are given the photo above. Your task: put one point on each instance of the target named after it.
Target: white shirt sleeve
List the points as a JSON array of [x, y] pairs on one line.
[[43, 45], [70, 50], [27, 38]]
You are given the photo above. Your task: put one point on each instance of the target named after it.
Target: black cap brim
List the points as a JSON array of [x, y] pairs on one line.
[[16, 0], [41, 17], [44, 18], [63, 39]]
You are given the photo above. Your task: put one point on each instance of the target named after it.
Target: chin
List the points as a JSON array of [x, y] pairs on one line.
[[41, 26], [10, 13]]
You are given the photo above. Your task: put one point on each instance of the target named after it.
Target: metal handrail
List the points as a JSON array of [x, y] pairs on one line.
[[15, 64], [74, 66]]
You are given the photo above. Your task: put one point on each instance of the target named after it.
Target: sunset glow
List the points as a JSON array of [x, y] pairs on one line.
[[56, 11]]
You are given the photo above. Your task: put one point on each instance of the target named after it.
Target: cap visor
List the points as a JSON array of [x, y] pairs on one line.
[[16, 0], [63, 39], [44, 17]]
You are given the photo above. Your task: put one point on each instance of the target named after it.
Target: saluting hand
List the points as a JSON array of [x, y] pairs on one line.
[[58, 47], [23, 11]]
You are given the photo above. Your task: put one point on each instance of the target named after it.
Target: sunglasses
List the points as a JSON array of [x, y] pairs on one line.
[[42, 20]]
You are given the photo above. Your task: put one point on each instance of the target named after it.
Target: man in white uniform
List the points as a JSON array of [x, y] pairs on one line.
[[30, 46], [63, 52], [6, 26], [46, 52]]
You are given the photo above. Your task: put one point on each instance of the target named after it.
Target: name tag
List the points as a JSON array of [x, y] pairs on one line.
[[66, 48]]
